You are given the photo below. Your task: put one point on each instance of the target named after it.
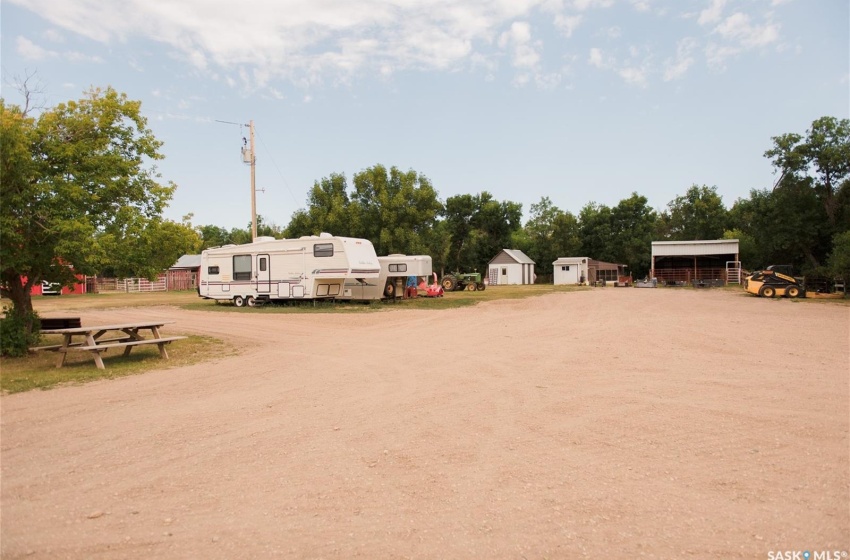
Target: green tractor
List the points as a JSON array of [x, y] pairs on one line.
[[470, 281]]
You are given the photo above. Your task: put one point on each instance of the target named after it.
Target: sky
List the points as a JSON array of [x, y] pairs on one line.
[[579, 101]]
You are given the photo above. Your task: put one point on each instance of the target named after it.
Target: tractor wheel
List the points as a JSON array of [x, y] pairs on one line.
[[389, 289], [470, 287], [767, 291], [239, 301], [481, 286], [792, 292], [449, 283]]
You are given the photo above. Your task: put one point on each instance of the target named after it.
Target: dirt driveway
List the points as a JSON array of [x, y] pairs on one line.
[[612, 423]]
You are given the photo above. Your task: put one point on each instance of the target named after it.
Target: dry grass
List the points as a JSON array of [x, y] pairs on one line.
[[38, 369]]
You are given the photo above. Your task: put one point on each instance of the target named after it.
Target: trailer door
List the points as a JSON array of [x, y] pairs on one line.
[[264, 284]]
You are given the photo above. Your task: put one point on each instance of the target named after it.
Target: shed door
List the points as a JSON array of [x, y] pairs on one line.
[[264, 285]]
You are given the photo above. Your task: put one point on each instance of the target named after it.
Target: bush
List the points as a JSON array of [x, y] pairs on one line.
[[14, 340]]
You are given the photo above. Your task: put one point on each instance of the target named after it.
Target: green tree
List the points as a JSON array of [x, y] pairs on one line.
[[144, 248], [822, 156], [76, 172], [633, 223], [788, 224], [213, 236], [566, 240], [549, 233], [479, 227], [596, 233], [395, 210], [839, 259], [622, 234], [698, 214], [328, 209]]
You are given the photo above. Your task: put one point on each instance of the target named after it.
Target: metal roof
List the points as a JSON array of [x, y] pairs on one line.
[[570, 260], [188, 261], [693, 248]]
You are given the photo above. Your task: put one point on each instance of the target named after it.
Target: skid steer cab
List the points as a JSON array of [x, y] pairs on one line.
[[775, 281]]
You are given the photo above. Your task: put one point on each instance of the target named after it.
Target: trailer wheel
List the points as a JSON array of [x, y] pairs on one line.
[[239, 301], [389, 289], [792, 292], [481, 286], [767, 291], [471, 287], [250, 301]]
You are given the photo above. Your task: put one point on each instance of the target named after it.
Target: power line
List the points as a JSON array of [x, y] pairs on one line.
[[274, 163]]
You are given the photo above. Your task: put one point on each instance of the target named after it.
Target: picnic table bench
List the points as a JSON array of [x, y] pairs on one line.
[[125, 335]]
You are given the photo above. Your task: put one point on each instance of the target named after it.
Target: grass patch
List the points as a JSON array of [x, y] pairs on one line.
[[38, 369]]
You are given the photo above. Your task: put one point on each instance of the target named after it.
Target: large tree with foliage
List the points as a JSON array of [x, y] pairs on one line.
[[478, 226], [71, 175], [788, 224], [698, 214], [147, 247], [821, 159], [622, 234], [394, 209], [328, 209], [548, 234]]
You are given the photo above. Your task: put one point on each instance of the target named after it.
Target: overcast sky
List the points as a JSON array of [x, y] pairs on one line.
[[577, 100]]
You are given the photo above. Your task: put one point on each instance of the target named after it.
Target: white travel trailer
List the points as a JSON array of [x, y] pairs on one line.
[[269, 269], [395, 270]]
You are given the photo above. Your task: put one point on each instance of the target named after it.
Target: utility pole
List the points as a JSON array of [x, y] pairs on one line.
[[253, 184], [249, 158]]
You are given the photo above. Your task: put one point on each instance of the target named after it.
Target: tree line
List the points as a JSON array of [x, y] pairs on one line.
[[81, 194], [803, 220]]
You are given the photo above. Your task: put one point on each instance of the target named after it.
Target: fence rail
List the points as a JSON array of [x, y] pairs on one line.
[[130, 285], [686, 275]]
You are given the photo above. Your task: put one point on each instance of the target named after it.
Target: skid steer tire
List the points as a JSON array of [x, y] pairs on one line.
[[767, 291]]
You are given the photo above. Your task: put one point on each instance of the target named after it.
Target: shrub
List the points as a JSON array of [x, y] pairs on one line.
[[14, 340]]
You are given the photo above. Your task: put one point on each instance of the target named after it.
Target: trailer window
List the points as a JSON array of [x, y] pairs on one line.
[[323, 250], [212, 270], [241, 267], [565, 267], [263, 264], [398, 268]]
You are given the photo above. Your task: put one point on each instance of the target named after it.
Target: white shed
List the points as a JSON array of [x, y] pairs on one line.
[[510, 266], [570, 270]]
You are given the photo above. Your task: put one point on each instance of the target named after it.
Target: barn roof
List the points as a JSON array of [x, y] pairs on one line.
[[187, 261]]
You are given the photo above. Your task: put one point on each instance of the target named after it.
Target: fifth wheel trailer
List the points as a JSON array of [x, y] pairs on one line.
[[395, 270], [269, 269]]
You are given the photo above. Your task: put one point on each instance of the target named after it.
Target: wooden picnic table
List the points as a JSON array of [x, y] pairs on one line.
[[125, 335]]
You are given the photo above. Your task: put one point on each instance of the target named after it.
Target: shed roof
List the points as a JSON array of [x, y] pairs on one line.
[[516, 255], [697, 247], [187, 261], [570, 260]]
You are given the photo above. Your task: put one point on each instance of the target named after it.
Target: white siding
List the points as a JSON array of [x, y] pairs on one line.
[[577, 269]]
